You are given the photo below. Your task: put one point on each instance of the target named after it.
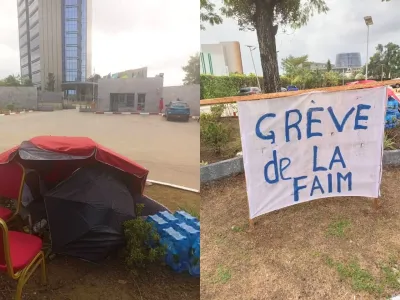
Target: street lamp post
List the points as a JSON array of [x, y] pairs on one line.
[[251, 48], [368, 22]]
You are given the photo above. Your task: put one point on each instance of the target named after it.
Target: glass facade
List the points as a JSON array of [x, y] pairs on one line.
[[74, 40], [348, 60]]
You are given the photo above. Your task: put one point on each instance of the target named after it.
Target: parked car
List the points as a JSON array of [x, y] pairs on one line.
[[283, 89], [249, 91], [177, 110], [396, 85], [292, 88]]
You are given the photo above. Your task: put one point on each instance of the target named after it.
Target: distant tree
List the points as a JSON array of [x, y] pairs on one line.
[[386, 61], [192, 70], [208, 15], [51, 82], [27, 82], [264, 16], [359, 76], [329, 65], [11, 80], [94, 78]]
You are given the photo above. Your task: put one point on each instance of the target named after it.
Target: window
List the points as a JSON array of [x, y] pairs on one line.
[[21, 20], [71, 12], [24, 60], [130, 100], [71, 26], [33, 5], [34, 17], [36, 78], [71, 52], [71, 64], [71, 2], [21, 7], [35, 54], [34, 31], [23, 50], [121, 98], [141, 101], [71, 76], [71, 39], [35, 66], [35, 42], [23, 39], [25, 71]]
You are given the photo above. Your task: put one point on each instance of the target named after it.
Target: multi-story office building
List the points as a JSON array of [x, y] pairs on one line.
[[55, 39], [348, 60], [221, 59]]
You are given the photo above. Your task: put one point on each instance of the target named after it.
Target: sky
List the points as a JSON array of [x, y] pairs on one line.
[[342, 29], [126, 34]]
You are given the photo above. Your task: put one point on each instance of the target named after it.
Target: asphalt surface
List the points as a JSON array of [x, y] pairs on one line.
[[170, 150]]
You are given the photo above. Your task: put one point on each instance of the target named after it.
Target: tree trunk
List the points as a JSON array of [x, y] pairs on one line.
[[266, 32]]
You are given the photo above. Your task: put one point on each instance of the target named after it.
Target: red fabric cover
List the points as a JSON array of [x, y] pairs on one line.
[[5, 213], [392, 94], [23, 248], [360, 82], [57, 171]]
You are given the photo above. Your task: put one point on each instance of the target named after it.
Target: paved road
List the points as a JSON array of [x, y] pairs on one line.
[[170, 150]]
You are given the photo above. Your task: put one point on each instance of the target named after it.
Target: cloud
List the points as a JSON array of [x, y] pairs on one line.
[[126, 34], [342, 29]]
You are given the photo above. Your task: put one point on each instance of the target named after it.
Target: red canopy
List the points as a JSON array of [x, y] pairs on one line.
[[360, 82], [61, 157]]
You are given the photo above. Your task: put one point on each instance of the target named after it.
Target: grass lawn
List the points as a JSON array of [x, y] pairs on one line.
[[73, 279], [334, 248], [234, 146]]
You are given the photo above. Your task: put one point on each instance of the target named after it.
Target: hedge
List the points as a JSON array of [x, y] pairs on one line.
[[226, 86]]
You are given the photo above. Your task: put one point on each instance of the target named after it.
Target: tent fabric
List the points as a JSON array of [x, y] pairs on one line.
[[94, 205], [57, 157]]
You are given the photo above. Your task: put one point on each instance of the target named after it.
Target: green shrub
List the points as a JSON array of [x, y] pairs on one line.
[[226, 86], [388, 142], [139, 235], [213, 133], [216, 111], [10, 107]]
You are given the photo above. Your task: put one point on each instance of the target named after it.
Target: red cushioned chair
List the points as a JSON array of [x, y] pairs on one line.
[[20, 255], [13, 177]]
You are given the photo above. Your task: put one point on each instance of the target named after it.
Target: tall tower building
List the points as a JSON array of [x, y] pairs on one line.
[[55, 39]]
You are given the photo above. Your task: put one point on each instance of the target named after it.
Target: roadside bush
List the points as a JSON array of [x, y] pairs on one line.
[[388, 142], [10, 107], [213, 133], [216, 111], [142, 242], [226, 86]]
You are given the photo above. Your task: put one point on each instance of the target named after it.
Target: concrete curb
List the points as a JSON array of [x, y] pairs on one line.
[[124, 113], [229, 167], [134, 113], [173, 186], [16, 113]]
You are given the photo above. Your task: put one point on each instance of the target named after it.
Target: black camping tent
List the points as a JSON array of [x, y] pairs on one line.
[[86, 212]]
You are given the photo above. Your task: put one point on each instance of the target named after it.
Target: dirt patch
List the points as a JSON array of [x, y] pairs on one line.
[[175, 199], [235, 146], [334, 248], [73, 279], [394, 135]]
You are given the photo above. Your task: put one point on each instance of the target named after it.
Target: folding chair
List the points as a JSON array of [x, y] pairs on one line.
[[20, 255]]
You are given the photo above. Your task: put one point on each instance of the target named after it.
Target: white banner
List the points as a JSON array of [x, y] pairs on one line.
[[312, 146]]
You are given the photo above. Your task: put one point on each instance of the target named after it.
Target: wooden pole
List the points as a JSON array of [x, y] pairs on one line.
[[375, 203], [251, 224]]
